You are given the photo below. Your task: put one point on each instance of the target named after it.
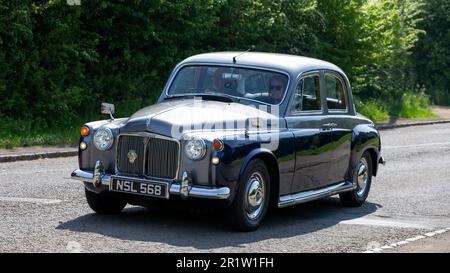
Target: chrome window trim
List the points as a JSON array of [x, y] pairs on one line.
[[293, 113], [175, 73], [338, 76], [149, 136]]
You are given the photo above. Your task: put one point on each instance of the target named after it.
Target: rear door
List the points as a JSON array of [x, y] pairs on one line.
[[338, 116]]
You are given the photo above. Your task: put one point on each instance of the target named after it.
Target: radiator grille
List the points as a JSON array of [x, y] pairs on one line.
[[129, 144], [162, 158], [156, 157]]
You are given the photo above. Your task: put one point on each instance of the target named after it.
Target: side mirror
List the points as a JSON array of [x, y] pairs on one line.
[[108, 109]]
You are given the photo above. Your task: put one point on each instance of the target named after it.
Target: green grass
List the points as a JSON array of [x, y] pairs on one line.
[[373, 110], [410, 105], [15, 133], [415, 106]]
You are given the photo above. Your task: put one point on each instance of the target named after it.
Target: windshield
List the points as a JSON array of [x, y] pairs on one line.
[[261, 85]]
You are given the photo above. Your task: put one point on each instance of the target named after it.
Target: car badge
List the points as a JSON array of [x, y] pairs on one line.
[[132, 156]]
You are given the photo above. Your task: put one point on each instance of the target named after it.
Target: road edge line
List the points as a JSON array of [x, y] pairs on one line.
[[394, 126], [407, 241]]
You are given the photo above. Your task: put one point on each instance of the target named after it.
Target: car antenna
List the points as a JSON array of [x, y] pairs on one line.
[[251, 48]]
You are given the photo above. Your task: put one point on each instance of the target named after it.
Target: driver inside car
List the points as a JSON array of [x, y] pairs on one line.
[[277, 87]]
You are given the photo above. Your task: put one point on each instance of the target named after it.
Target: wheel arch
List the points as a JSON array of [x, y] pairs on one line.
[[272, 166], [365, 138]]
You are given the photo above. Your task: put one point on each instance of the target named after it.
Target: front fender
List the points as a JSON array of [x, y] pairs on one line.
[[234, 161], [253, 154]]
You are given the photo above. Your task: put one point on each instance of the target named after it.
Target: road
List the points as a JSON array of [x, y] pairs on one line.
[[43, 210]]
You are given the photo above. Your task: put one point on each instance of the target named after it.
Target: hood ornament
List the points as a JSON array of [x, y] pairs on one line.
[[148, 124], [132, 156]]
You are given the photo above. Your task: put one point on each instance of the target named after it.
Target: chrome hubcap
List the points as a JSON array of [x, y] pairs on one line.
[[363, 176], [255, 196]]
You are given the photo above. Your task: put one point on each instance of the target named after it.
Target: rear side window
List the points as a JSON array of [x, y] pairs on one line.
[[307, 95], [336, 93]]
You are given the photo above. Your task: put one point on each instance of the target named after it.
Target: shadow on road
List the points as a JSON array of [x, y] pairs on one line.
[[184, 228]]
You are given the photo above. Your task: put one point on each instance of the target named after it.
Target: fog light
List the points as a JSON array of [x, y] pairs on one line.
[[215, 160], [83, 145]]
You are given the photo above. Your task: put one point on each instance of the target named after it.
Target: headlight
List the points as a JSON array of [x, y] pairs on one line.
[[103, 138], [195, 148]]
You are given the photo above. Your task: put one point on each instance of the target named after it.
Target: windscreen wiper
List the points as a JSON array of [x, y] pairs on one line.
[[206, 96], [219, 96]]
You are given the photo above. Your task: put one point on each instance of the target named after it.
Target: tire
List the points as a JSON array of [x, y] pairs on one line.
[[248, 210], [358, 196], [103, 204]]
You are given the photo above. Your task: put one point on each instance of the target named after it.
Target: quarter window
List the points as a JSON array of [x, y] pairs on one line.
[[335, 93], [307, 95]]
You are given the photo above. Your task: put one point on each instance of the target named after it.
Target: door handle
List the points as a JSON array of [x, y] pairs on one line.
[[328, 126]]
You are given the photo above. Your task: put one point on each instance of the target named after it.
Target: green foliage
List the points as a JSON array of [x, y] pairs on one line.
[[14, 133], [390, 32], [373, 109], [58, 62], [415, 106], [432, 54]]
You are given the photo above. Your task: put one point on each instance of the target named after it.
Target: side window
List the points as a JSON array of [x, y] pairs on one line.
[[307, 95], [335, 93]]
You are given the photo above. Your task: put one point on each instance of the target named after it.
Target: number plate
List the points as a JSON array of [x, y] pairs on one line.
[[139, 186]]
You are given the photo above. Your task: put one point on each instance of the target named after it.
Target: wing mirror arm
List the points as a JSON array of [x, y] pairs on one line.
[[108, 109]]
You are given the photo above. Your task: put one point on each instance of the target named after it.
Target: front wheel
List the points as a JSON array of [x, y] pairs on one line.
[[252, 198], [104, 204], [363, 178]]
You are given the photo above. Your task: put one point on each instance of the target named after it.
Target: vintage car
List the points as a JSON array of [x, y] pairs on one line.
[[242, 130]]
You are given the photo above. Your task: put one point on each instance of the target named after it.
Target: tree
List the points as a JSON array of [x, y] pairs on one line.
[[390, 34], [432, 54]]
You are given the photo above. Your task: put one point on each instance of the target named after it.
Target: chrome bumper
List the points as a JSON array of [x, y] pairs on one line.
[[183, 189]]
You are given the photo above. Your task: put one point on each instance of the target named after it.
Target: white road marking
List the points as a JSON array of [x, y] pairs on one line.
[[413, 239], [400, 221], [416, 145], [30, 200], [366, 221], [406, 241]]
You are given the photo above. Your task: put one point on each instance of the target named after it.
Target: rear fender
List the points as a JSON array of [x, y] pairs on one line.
[[364, 138]]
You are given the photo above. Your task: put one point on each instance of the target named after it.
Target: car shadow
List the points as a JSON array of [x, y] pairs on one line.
[[207, 230]]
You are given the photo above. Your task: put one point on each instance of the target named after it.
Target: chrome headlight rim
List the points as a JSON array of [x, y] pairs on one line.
[[200, 142], [109, 139]]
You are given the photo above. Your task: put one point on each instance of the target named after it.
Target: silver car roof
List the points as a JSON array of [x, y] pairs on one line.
[[290, 63]]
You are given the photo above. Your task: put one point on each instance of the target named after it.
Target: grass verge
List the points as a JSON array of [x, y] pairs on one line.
[[14, 133], [411, 105]]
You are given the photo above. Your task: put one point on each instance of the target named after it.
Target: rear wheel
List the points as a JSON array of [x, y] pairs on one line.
[[363, 178], [252, 198], [104, 204]]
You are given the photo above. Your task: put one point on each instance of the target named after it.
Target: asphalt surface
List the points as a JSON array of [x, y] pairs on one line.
[[43, 210]]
